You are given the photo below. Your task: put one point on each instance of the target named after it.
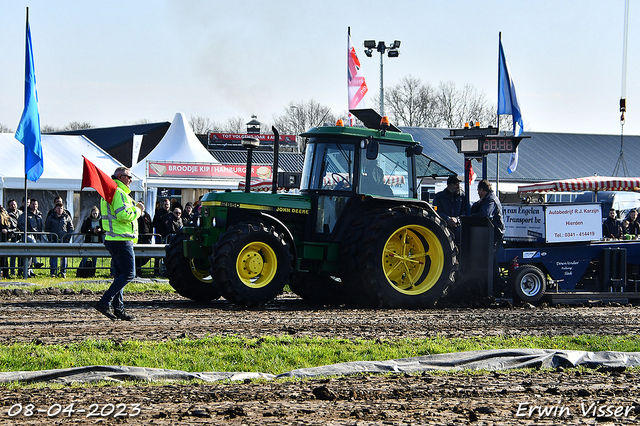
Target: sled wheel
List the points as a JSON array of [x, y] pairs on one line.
[[528, 284], [189, 277], [251, 264]]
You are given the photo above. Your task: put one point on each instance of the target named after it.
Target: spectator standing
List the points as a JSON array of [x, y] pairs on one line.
[[14, 217], [450, 206], [489, 206], [5, 222], [159, 218], [120, 221], [634, 227], [160, 228], [174, 221], [56, 200], [145, 229], [611, 228], [187, 213], [93, 233], [59, 224], [35, 224]]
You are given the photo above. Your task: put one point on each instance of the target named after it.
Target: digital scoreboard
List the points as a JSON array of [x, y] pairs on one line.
[[477, 141], [487, 145]]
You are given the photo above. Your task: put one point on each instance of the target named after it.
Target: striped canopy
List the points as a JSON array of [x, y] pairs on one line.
[[590, 183]]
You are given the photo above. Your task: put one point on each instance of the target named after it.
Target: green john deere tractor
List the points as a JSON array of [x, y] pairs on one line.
[[356, 233]]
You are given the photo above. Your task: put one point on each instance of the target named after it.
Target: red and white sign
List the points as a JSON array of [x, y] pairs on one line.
[[205, 171], [237, 137]]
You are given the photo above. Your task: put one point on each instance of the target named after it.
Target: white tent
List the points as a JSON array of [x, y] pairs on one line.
[[62, 156], [181, 145], [178, 144]]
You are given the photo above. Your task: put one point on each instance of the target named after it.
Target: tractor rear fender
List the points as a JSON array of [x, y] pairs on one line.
[[282, 228]]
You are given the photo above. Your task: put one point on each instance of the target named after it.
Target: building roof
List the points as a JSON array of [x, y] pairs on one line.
[[545, 156], [118, 141], [287, 161]]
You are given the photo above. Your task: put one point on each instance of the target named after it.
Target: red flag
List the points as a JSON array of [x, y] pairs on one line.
[[93, 177], [469, 168], [356, 85]]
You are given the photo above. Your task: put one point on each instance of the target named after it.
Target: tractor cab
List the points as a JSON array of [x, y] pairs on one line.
[[343, 163]]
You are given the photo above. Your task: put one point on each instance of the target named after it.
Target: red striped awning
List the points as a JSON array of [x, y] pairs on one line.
[[391, 180], [590, 183]]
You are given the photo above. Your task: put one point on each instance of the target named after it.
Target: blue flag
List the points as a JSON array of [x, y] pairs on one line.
[[507, 100], [28, 132]]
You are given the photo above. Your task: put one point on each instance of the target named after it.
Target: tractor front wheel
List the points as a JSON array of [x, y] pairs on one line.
[[189, 277], [251, 264]]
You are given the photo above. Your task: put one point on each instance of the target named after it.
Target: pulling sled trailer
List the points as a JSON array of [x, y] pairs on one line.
[[556, 251]]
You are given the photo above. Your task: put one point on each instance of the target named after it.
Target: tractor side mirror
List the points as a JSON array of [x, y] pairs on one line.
[[414, 150], [372, 149]]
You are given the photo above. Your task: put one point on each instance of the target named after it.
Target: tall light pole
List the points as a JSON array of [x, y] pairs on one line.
[[382, 47]]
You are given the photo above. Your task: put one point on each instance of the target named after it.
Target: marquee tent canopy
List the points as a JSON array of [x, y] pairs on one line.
[[62, 163], [179, 144], [589, 183]]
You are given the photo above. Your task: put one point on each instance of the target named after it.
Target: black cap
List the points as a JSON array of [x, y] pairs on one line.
[[453, 179]]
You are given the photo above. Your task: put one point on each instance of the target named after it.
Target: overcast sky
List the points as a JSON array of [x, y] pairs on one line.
[[119, 62]]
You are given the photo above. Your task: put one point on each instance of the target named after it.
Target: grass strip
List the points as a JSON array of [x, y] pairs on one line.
[[275, 354]]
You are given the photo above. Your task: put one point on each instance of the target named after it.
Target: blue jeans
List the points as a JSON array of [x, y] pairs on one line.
[[123, 262], [53, 265]]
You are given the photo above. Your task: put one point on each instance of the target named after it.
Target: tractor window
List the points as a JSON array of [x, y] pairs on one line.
[[330, 208], [389, 175], [330, 165]]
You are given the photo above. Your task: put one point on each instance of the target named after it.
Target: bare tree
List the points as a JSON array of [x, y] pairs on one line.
[[49, 129], [5, 129], [201, 125], [235, 125], [76, 125], [300, 116], [412, 103]]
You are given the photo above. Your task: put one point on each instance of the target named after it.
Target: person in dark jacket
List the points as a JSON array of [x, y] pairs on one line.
[[174, 221], [611, 228], [634, 227], [489, 206], [93, 233], [59, 224], [449, 204], [35, 224], [145, 230]]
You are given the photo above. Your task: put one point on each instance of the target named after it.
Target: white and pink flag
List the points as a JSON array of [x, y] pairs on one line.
[[355, 80]]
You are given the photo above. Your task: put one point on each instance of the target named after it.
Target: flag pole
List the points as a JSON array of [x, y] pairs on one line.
[[498, 115], [25, 268]]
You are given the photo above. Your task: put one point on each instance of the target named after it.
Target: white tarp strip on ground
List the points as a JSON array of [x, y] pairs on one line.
[[498, 359]]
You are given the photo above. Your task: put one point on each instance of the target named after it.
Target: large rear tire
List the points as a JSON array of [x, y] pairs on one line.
[[400, 257], [251, 264], [189, 277]]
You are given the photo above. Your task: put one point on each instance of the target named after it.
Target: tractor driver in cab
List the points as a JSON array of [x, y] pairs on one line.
[[372, 181]]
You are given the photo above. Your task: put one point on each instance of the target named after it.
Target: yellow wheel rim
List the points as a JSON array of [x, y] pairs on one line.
[[201, 274], [256, 264], [413, 259]]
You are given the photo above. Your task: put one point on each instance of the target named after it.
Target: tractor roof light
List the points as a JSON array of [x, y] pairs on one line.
[[340, 123]]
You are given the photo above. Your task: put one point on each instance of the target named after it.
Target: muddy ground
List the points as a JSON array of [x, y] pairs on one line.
[[569, 397]]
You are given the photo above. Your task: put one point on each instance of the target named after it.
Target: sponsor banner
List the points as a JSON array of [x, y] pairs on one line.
[[237, 137], [573, 222], [523, 222], [205, 171]]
